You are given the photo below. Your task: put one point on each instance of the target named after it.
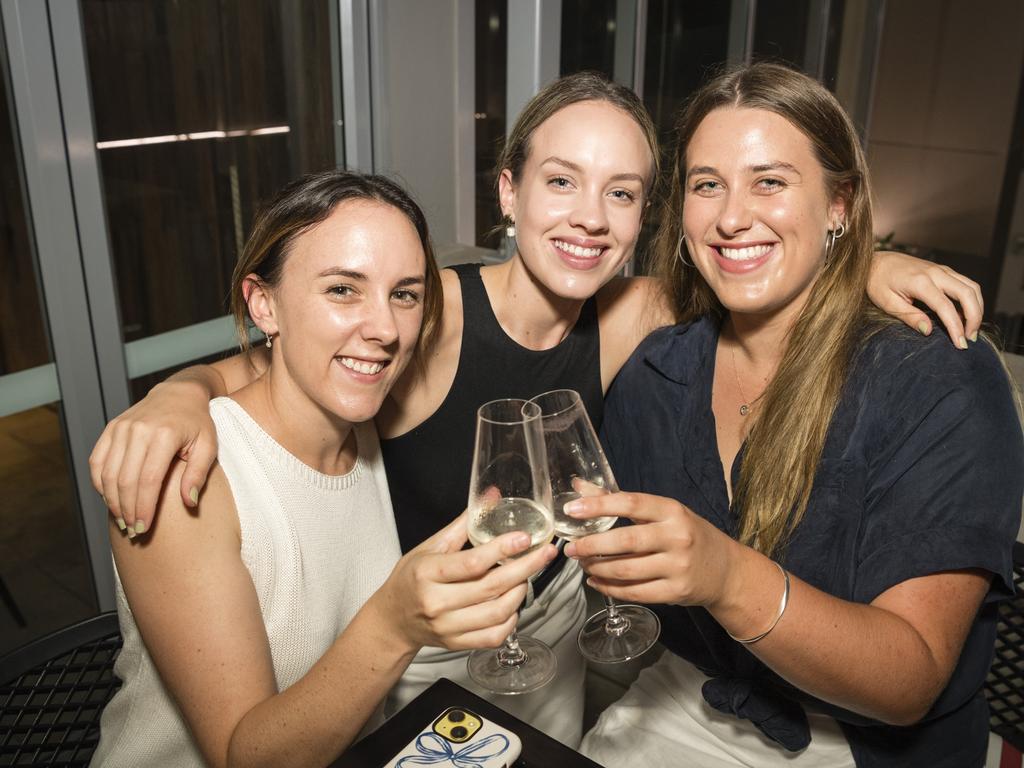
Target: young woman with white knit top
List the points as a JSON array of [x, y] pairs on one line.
[[266, 626]]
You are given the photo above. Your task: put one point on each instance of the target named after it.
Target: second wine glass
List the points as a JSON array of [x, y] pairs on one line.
[[509, 491], [577, 468]]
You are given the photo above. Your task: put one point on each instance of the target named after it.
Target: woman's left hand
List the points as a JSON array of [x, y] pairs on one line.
[[671, 555], [897, 280]]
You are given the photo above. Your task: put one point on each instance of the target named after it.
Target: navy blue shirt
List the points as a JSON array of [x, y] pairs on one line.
[[921, 472]]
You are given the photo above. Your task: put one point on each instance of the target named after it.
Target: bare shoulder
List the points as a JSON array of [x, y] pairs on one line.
[[629, 308], [197, 610], [628, 295], [421, 391], [180, 534]]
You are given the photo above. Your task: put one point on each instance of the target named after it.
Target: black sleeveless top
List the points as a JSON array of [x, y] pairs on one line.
[[428, 467]]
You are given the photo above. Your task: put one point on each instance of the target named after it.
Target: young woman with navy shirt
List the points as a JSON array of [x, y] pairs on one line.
[[824, 503]]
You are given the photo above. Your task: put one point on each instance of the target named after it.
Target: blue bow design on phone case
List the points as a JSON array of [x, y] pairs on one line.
[[435, 750]]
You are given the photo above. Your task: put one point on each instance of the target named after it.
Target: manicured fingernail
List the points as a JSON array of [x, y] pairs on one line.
[[140, 526], [962, 343], [520, 540], [974, 336], [120, 523], [570, 549], [573, 507], [923, 327], [131, 533], [194, 495]]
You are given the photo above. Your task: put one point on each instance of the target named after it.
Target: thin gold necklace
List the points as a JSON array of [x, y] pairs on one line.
[[745, 405]]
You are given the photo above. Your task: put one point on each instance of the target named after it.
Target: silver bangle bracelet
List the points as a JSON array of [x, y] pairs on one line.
[[782, 609]]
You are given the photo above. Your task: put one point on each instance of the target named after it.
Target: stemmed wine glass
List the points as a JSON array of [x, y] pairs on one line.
[[577, 467], [509, 491]]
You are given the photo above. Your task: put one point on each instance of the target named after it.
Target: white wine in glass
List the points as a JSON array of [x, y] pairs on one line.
[[578, 468], [508, 515], [509, 490]]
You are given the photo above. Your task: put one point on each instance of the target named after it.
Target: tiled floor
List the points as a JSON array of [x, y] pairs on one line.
[[42, 554]]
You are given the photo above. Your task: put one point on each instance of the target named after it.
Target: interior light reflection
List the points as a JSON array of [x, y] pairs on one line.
[[196, 136]]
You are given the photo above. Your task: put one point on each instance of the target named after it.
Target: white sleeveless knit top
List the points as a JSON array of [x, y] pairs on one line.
[[317, 546]]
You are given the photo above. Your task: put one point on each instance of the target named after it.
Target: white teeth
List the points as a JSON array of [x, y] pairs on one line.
[[577, 250], [744, 254], [360, 366]]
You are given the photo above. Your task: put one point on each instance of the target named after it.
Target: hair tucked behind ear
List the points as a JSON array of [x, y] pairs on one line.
[[303, 204], [785, 442]]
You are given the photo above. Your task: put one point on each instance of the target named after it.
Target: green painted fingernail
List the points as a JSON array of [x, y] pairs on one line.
[[923, 327], [120, 523], [974, 336], [194, 495], [962, 343], [140, 526]]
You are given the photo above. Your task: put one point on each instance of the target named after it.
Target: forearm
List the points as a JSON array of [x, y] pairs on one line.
[[318, 717], [863, 658], [198, 380]]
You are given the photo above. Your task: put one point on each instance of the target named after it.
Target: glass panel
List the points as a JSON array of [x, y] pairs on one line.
[[217, 105], [45, 579], [588, 36], [780, 31], [491, 57], [23, 342], [685, 41]]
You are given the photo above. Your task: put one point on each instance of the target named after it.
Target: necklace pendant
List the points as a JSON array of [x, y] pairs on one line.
[[744, 409]]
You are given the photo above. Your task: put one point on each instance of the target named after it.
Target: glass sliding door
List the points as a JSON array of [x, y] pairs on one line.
[[202, 110], [45, 578], [137, 140]]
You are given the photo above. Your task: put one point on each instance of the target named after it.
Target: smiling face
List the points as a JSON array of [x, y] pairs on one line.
[[756, 210], [578, 203], [346, 311]]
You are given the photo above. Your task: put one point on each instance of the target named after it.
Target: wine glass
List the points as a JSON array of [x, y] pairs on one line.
[[577, 467], [509, 491]]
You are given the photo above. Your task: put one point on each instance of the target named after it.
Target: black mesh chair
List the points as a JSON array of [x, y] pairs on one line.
[[1005, 685], [52, 692]]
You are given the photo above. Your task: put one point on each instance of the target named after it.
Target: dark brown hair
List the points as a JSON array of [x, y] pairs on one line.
[[303, 204]]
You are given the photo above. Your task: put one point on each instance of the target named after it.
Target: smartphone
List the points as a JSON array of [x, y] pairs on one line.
[[459, 737]]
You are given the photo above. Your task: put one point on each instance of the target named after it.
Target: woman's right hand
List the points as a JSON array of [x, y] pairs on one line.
[[444, 596], [132, 458]]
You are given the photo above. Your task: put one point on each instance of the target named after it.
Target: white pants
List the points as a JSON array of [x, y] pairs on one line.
[[663, 720], [555, 618]]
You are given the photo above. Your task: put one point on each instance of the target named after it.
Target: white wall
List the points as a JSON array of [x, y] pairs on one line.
[[423, 106], [945, 93]]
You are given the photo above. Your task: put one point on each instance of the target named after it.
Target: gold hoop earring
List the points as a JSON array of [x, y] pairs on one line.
[[679, 252]]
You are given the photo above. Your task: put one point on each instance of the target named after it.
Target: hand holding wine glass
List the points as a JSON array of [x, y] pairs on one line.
[[442, 595], [578, 469], [510, 491]]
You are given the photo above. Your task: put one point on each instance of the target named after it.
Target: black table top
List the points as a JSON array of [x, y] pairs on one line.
[[539, 749]]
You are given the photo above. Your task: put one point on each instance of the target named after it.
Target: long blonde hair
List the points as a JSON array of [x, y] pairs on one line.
[[785, 442]]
